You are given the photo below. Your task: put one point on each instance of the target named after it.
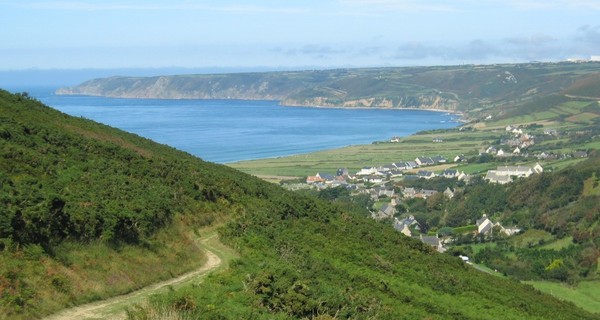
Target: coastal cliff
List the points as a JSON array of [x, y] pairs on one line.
[[450, 88]]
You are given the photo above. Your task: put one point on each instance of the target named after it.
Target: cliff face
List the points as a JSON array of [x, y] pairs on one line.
[[453, 88], [408, 102]]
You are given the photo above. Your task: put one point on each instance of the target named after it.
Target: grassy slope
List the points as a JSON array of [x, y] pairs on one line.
[[299, 256], [586, 294]]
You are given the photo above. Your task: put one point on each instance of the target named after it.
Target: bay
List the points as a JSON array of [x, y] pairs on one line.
[[225, 131]]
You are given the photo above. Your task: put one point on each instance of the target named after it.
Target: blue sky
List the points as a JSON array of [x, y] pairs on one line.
[[293, 33]]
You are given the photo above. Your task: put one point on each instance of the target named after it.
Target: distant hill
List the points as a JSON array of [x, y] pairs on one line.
[[452, 88], [586, 87], [86, 206]]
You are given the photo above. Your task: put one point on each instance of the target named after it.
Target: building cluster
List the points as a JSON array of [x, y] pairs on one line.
[[378, 175], [506, 174]]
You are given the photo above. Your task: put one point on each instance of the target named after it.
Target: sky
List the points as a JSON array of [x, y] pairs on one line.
[[293, 33]]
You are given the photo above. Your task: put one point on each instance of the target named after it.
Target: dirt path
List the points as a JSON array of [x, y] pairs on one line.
[[114, 308]]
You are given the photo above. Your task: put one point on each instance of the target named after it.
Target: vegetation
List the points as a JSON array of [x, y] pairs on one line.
[[80, 199]]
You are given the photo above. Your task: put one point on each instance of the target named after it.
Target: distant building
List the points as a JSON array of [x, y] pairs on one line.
[[460, 158], [449, 193], [341, 172], [432, 241], [424, 161], [504, 174], [404, 225], [365, 171], [450, 173], [424, 174]]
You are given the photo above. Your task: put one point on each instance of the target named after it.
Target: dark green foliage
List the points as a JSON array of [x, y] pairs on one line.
[[319, 261]]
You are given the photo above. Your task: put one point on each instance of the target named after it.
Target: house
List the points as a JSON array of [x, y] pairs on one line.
[[395, 139], [411, 165], [484, 225], [538, 168], [438, 159], [424, 161], [464, 177], [342, 172], [409, 192], [517, 151], [509, 128], [386, 168], [491, 150], [460, 158], [386, 211], [314, 179], [501, 153], [424, 193], [450, 173], [325, 176], [365, 171], [509, 231], [384, 192], [395, 173], [449, 193], [424, 174], [404, 225], [493, 177], [433, 241], [401, 165], [374, 179], [551, 132], [580, 154], [516, 171]]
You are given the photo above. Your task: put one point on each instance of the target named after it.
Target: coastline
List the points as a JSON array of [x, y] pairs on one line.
[[462, 118], [280, 102]]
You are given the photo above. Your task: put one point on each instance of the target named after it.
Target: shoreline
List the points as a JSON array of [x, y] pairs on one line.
[[460, 114]]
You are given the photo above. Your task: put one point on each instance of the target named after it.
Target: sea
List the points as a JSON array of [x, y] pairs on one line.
[[226, 131]]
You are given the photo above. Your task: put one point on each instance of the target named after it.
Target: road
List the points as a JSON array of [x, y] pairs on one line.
[[114, 308]]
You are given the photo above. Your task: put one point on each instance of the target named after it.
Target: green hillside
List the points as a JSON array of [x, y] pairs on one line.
[[455, 88], [89, 211]]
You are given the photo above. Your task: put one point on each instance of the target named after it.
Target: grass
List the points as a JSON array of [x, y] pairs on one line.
[[480, 246], [591, 187], [558, 244], [206, 239], [356, 157], [585, 295], [81, 274], [531, 238]]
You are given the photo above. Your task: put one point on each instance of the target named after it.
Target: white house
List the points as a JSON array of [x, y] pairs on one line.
[[484, 225], [366, 171]]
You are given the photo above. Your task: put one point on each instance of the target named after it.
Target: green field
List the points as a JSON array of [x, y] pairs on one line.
[[561, 113], [585, 295]]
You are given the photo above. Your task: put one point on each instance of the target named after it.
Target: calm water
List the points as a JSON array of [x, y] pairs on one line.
[[232, 130]]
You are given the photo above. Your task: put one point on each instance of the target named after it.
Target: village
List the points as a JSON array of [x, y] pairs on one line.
[[382, 183]]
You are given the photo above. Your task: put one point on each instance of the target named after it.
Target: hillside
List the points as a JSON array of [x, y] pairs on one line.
[[87, 210], [452, 88]]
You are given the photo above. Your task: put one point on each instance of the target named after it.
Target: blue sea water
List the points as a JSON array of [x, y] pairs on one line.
[[232, 130]]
